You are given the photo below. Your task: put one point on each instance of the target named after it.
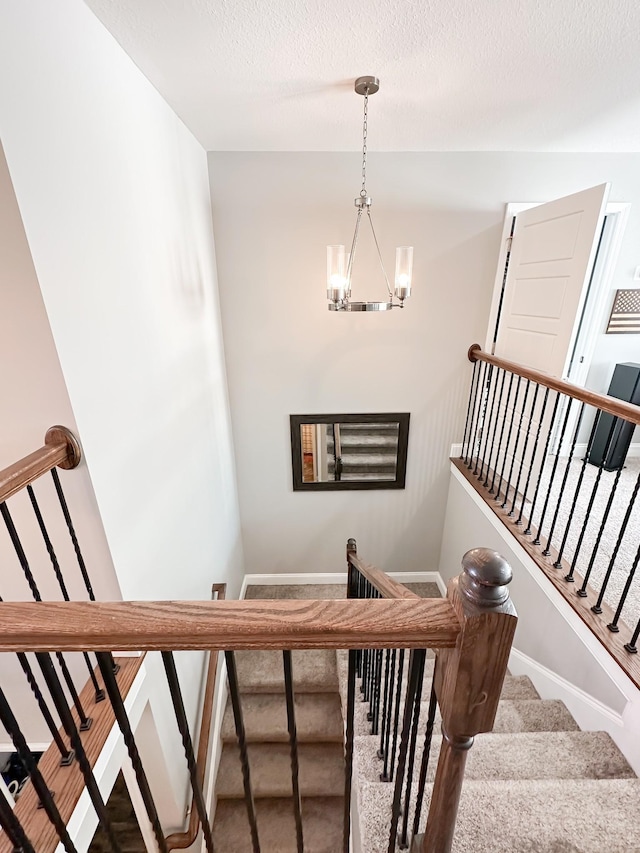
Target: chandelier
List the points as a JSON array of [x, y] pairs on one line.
[[340, 263]]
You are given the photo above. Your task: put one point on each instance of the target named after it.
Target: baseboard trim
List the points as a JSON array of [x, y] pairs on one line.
[[335, 578], [589, 713]]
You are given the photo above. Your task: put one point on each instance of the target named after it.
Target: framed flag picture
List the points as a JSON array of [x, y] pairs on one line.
[[625, 314]]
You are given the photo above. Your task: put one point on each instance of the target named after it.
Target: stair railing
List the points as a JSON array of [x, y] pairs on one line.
[[466, 685], [548, 457], [471, 631]]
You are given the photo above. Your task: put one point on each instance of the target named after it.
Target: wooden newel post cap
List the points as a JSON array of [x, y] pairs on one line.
[[351, 545], [485, 577]]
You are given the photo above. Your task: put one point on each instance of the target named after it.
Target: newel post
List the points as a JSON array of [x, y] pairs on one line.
[[468, 681]]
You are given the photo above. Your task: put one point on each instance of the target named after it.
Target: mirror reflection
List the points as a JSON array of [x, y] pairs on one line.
[[349, 451]]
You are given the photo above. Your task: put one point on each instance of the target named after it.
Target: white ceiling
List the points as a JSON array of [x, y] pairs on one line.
[[501, 75]]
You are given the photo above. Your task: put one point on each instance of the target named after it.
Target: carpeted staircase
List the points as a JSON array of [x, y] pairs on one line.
[[536, 784], [369, 451], [321, 753]]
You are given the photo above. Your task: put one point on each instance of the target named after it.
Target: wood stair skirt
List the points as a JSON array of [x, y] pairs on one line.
[[67, 783], [536, 784]]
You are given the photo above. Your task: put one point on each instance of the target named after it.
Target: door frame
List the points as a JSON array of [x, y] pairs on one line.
[[595, 311]]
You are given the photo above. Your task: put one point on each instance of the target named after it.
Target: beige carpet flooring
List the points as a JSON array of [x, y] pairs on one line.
[[630, 543]]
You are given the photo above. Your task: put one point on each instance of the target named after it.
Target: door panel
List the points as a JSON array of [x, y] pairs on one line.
[[552, 253]]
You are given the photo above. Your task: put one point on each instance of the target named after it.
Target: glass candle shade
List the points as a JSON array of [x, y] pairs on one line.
[[336, 273], [404, 270]]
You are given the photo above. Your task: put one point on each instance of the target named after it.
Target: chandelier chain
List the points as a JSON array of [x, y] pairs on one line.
[[363, 191]]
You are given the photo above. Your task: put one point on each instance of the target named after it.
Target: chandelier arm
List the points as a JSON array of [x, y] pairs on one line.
[[353, 251], [375, 240]]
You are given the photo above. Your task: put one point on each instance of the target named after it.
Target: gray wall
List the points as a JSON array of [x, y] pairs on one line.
[[274, 213], [273, 216]]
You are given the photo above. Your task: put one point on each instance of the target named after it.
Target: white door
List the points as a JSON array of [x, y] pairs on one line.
[[552, 253]]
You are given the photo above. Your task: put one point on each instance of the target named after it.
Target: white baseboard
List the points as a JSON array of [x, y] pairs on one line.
[[336, 578], [581, 450], [456, 451], [589, 713]]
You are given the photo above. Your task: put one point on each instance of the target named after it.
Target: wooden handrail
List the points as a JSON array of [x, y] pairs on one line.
[[257, 624], [385, 585], [181, 840], [611, 405], [61, 449]]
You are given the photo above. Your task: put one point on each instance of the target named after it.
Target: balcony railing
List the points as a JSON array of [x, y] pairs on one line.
[[538, 450]]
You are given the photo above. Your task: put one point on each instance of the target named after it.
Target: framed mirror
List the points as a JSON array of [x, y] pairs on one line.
[[330, 452]]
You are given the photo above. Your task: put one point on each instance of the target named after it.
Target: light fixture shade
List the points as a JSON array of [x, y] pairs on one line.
[[336, 273], [404, 271]]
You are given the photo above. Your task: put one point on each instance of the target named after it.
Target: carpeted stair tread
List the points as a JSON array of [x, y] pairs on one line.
[[322, 820], [314, 671], [513, 715], [318, 718], [522, 755], [527, 816], [302, 591], [321, 770]]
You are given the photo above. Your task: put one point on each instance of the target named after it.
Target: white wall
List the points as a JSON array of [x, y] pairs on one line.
[[273, 216], [113, 192], [549, 633], [34, 397]]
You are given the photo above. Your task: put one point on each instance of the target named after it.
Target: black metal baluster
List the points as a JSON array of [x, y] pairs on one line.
[[558, 563], [375, 710], [613, 626], [396, 717], [533, 459], [72, 534], [293, 746], [384, 776], [412, 685], [484, 468], [14, 829], [631, 646], [582, 592], [105, 662], [45, 796], [183, 727], [543, 462], [509, 433], [234, 692], [554, 467], [404, 842], [426, 753], [516, 443], [478, 414], [565, 477], [592, 497], [85, 721], [349, 737], [502, 429], [470, 411], [99, 692], [484, 401], [66, 754], [71, 730], [385, 704], [493, 437], [524, 453]]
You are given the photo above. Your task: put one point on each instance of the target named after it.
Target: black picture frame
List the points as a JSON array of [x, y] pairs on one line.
[[296, 421]]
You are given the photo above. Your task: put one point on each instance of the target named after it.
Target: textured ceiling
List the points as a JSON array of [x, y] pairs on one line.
[[501, 75]]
